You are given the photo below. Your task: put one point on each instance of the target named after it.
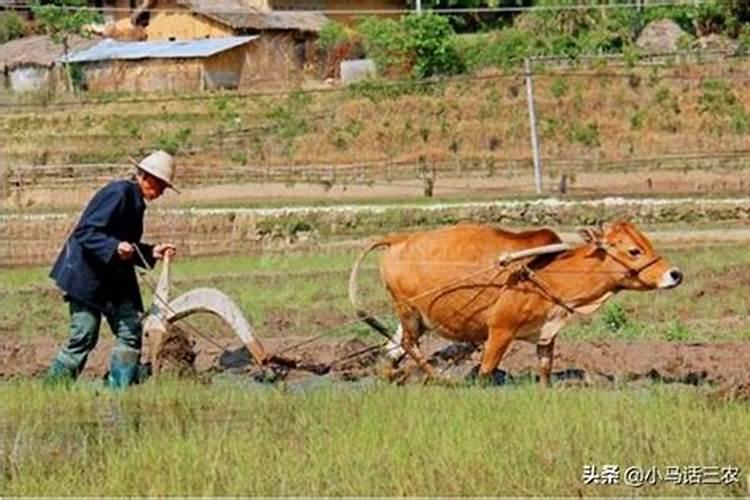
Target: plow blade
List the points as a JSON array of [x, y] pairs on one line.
[[212, 301]]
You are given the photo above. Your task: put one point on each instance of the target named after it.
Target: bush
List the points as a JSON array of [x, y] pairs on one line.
[[11, 26], [505, 50], [331, 35], [722, 105], [421, 44], [386, 42], [431, 40]]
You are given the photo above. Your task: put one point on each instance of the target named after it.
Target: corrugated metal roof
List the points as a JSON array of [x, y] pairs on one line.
[[181, 49]]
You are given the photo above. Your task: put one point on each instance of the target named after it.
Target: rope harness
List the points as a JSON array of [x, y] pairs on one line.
[[504, 262], [525, 273]]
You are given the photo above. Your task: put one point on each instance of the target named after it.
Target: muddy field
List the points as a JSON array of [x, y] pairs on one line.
[[721, 367]]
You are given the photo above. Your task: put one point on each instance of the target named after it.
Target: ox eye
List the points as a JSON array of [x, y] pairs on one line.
[[635, 252]]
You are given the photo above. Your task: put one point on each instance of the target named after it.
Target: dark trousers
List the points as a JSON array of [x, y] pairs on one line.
[[85, 322]]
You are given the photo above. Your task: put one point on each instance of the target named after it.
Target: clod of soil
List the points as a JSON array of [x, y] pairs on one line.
[[176, 356]]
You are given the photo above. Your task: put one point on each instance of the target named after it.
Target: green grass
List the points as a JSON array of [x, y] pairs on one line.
[[190, 439], [306, 293]]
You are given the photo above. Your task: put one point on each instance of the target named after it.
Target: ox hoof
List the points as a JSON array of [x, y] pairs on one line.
[[496, 378]]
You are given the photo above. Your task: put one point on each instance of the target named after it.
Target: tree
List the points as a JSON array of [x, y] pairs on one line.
[[473, 21], [62, 19], [11, 26]]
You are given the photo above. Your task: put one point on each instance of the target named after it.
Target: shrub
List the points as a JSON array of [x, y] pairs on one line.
[[386, 43], [11, 26], [332, 34], [420, 44], [431, 40], [614, 317], [723, 107]]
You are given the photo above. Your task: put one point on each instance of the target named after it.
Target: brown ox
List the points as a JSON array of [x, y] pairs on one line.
[[451, 280]]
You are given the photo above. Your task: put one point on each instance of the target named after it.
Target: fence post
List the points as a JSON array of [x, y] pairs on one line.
[[4, 179], [535, 149]]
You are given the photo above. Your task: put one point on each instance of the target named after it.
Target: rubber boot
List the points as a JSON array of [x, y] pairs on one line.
[[123, 368], [60, 374]]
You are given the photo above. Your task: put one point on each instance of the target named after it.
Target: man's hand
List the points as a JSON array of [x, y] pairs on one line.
[[125, 250], [164, 250]]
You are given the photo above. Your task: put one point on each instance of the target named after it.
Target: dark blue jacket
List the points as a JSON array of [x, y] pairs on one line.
[[88, 268]]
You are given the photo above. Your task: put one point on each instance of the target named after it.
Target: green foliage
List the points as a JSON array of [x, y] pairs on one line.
[[342, 136], [288, 120], [636, 120], [559, 87], [713, 16], [574, 32], [683, 15], [386, 42], [225, 111], [63, 18], [587, 134], [723, 107], [77, 76], [238, 157], [421, 44], [332, 34], [378, 90], [614, 318], [172, 142], [431, 43], [744, 40], [11, 26], [678, 332], [505, 49]]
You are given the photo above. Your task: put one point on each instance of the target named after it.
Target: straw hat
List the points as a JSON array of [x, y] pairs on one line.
[[160, 164]]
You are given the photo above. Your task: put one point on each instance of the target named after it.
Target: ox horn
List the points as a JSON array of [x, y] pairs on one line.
[[590, 234]]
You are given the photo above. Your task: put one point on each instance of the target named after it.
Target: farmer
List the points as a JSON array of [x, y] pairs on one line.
[[95, 270]]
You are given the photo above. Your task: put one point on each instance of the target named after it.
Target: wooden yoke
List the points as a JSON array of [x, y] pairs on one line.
[[509, 257]]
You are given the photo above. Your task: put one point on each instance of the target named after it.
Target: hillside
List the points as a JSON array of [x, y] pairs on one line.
[[596, 115]]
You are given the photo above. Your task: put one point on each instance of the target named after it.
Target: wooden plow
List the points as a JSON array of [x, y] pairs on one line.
[[165, 312]]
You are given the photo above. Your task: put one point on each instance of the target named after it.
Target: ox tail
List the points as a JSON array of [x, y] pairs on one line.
[[365, 316]]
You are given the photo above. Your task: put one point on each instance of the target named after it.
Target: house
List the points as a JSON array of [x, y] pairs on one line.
[[286, 40], [29, 64], [345, 11], [167, 66]]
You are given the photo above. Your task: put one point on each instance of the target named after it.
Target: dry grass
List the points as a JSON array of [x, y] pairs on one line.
[[584, 113]]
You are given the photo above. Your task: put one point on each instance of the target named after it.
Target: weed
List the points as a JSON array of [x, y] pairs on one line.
[[587, 134], [559, 87], [172, 142], [614, 317], [238, 157], [719, 102], [678, 332], [636, 120]]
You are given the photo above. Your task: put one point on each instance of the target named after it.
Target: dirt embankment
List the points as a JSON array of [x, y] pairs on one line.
[[235, 231]]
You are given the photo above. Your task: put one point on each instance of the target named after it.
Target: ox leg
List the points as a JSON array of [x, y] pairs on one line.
[[411, 330], [497, 343], [545, 354], [393, 349]]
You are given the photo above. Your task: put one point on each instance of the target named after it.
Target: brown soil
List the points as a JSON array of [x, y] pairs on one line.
[[600, 363]]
